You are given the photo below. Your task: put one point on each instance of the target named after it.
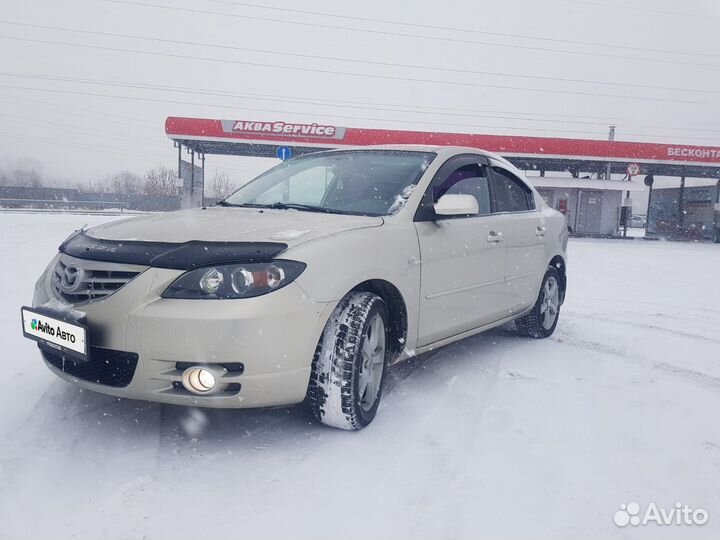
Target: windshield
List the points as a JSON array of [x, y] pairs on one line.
[[366, 182]]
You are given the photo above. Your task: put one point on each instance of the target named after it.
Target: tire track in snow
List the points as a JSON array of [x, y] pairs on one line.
[[690, 375], [89, 443], [686, 374], [478, 381], [619, 302], [645, 326]]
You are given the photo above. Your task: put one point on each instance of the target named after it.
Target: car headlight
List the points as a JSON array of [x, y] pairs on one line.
[[234, 280]]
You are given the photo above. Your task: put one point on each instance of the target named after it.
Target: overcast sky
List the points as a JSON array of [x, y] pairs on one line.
[[83, 110]]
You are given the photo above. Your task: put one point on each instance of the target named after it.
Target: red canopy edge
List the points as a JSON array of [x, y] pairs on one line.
[[329, 136]]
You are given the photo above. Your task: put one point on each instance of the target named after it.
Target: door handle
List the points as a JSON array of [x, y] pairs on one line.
[[495, 237], [540, 231]]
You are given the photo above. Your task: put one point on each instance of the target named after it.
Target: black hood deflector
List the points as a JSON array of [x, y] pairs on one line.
[[175, 255]]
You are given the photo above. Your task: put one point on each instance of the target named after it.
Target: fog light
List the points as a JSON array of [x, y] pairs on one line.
[[198, 380]]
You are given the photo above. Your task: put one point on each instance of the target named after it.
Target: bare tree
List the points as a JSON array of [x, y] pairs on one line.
[[87, 186], [25, 178], [126, 182], [221, 185], [160, 181]]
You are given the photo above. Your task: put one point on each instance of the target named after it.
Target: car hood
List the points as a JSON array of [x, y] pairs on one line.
[[218, 224]]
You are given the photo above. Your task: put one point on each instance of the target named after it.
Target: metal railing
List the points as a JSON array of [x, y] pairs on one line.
[[62, 204]]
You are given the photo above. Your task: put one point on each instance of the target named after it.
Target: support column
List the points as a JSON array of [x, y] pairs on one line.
[[179, 168], [716, 214], [201, 174], [193, 179], [192, 175], [649, 181], [681, 203]]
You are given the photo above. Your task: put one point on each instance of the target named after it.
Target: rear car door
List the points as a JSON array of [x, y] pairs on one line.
[[524, 228], [462, 257]]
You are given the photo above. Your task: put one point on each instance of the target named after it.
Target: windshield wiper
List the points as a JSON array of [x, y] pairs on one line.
[[242, 205], [288, 206], [298, 206]]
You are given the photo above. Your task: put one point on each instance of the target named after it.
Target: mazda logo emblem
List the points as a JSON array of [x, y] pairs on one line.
[[71, 279]]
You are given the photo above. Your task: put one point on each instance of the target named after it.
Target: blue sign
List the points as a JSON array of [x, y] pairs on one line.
[[284, 152]]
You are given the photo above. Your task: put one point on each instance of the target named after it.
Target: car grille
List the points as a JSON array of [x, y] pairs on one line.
[[103, 366], [77, 282]]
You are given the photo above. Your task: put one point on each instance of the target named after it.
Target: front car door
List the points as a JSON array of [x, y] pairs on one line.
[[524, 228], [462, 257]]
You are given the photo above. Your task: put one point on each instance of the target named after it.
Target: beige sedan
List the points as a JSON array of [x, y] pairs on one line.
[[305, 284]]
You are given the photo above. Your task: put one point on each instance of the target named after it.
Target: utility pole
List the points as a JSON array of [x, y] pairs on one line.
[[611, 137]]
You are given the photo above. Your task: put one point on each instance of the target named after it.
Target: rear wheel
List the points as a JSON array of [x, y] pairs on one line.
[[349, 364], [542, 320]]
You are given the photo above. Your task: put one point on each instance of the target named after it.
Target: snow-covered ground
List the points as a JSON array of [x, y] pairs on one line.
[[493, 437]]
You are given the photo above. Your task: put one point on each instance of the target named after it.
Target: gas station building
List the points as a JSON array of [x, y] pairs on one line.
[[589, 197]]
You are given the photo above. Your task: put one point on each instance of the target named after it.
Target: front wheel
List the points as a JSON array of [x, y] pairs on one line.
[[542, 320], [349, 364]]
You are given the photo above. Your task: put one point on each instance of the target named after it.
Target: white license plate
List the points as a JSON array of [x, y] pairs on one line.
[[53, 331]]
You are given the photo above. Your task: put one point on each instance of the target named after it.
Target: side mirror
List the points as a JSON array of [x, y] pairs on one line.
[[456, 205]]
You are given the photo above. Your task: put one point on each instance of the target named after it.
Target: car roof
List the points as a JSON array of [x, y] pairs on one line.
[[418, 148], [443, 150]]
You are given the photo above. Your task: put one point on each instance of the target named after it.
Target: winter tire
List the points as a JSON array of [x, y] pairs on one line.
[[543, 318], [349, 364]]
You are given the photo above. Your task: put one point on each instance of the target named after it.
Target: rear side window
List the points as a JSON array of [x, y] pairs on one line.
[[510, 193]]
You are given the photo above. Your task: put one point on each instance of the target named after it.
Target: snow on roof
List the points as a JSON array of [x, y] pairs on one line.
[[584, 183]]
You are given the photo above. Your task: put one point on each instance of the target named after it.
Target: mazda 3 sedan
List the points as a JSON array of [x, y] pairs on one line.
[[304, 284]]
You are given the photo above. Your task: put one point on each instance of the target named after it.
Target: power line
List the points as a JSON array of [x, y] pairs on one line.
[[295, 100], [626, 6], [255, 109], [350, 73], [282, 99], [391, 107], [403, 34], [79, 111], [357, 61], [425, 109], [80, 131], [325, 102], [61, 142], [286, 9]]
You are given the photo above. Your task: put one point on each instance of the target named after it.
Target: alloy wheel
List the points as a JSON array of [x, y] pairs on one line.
[[550, 303], [372, 363]]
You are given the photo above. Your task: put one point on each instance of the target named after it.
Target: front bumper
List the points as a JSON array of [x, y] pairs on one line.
[[273, 336]]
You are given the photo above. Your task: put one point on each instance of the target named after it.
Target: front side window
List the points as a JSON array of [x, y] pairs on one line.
[[467, 180], [510, 193], [361, 182]]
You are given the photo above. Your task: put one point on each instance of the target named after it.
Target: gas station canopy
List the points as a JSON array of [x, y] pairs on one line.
[[268, 139]]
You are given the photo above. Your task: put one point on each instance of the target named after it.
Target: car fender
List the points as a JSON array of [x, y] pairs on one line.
[[338, 264], [556, 239]]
